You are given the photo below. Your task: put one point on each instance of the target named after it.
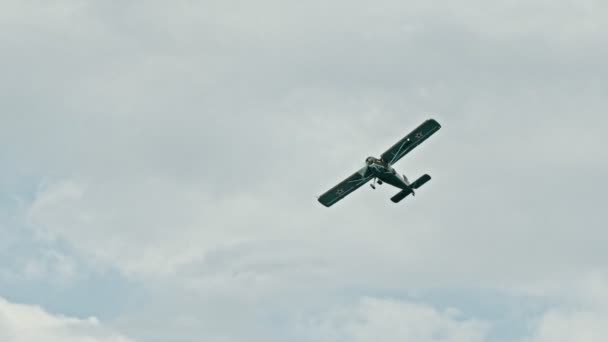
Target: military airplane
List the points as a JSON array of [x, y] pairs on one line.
[[381, 169]]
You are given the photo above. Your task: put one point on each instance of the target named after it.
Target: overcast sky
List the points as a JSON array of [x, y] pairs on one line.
[[160, 162]]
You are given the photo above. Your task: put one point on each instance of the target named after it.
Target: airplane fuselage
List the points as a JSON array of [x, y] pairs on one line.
[[386, 173], [380, 170]]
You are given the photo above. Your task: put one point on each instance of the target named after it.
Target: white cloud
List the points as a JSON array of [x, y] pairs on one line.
[[50, 265], [147, 227], [373, 319], [579, 311], [185, 142], [26, 323], [572, 326]]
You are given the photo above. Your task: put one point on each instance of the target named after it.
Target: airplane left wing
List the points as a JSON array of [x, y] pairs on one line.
[[415, 138], [347, 186]]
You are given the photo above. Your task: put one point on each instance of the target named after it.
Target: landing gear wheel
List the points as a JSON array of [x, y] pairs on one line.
[[373, 187], [379, 182]]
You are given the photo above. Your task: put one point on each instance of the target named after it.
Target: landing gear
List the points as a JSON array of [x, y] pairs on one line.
[[373, 185]]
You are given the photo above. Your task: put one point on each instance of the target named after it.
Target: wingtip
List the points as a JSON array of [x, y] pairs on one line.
[[434, 121], [324, 204], [319, 200]]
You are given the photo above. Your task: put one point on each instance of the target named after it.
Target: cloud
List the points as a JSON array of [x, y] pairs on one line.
[[373, 319], [26, 323], [571, 326], [183, 145], [581, 314]]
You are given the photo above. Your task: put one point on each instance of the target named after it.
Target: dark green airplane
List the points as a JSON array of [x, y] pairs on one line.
[[382, 170]]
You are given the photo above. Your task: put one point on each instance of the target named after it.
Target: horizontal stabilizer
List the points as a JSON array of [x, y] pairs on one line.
[[420, 181], [405, 192], [401, 195]]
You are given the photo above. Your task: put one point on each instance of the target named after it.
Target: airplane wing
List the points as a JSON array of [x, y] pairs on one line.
[[405, 145], [347, 186]]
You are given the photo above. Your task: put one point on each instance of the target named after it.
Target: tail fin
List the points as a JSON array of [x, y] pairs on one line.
[[405, 192]]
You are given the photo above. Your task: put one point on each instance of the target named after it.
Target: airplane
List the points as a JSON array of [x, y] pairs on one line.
[[381, 170]]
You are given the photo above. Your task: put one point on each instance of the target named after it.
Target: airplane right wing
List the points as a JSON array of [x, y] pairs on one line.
[[347, 186], [415, 138]]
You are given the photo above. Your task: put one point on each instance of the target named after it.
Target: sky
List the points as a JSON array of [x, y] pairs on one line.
[[161, 162]]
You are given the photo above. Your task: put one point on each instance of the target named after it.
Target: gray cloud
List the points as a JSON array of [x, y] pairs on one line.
[[183, 145], [24, 323]]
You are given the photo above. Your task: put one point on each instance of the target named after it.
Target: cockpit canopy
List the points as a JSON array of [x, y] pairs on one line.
[[372, 160]]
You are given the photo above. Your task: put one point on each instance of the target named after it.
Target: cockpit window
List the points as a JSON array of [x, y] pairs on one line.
[[372, 160]]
